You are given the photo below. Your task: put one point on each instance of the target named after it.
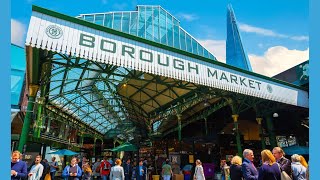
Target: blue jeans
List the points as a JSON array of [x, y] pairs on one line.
[[166, 177], [104, 177], [52, 174]]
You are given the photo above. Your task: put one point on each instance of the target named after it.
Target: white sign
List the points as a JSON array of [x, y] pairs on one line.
[[67, 37]]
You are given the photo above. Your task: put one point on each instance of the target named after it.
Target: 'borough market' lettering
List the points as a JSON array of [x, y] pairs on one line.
[[242, 81], [144, 55], [168, 61]]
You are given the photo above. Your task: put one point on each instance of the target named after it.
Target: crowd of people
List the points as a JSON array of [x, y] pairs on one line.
[[274, 166]]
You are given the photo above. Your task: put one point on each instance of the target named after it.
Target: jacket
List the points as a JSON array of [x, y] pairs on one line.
[[248, 170], [66, 174]]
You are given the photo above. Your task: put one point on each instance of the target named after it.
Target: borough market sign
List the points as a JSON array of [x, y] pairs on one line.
[[60, 33]]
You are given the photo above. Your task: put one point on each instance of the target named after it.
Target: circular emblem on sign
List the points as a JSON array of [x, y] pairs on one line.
[[54, 31], [269, 88]]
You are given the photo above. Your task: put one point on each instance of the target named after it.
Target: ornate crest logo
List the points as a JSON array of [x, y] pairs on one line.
[[54, 32], [269, 88]]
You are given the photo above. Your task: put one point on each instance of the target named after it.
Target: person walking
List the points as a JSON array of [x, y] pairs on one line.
[[303, 161], [270, 170], [96, 169], [249, 171], [285, 164], [298, 171], [198, 172], [53, 167], [235, 168], [105, 168], [141, 171], [127, 167], [18, 167], [117, 172], [36, 170], [166, 170], [86, 171], [72, 171]]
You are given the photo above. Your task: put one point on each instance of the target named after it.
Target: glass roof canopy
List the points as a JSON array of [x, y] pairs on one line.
[[109, 98], [113, 100], [88, 95], [153, 23]]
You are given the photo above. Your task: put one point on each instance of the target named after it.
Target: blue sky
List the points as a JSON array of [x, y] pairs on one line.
[[276, 29]]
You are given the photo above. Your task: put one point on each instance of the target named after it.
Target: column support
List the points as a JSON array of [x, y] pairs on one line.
[[94, 146], [206, 125], [270, 127], [235, 121], [263, 144], [33, 89], [179, 127]]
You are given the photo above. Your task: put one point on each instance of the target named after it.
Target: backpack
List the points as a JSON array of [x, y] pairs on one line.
[[106, 166], [97, 169]]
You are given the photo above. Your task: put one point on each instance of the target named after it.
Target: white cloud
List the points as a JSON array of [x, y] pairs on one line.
[[267, 32], [300, 38], [277, 59], [216, 47], [258, 30], [18, 31], [187, 17]]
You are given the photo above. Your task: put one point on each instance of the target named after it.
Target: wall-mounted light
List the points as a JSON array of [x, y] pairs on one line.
[[275, 115]]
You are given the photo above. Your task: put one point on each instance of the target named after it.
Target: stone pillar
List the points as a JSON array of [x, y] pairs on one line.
[[272, 136], [33, 89], [235, 121], [263, 144]]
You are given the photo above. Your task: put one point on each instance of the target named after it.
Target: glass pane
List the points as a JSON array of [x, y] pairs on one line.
[[156, 29], [89, 18], [142, 17], [163, 28], [176, 36], [133, 23], [108, 20], [170, 30], [117, 21], [206, 53], [149, 29], [182, 40], [200, 48], [99, 19], [188, 40], [125, 22], [194, 47]]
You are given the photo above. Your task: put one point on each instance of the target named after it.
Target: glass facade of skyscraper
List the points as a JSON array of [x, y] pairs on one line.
[[153, 23]]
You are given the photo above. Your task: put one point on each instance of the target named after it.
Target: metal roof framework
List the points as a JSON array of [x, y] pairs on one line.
[[119, 101]]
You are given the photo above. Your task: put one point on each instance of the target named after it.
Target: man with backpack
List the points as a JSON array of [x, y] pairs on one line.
[[96, 169], [105, 168]]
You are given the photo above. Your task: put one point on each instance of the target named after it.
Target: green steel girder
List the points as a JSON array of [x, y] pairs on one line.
[[181, 107], [66, 118], [201, 115]]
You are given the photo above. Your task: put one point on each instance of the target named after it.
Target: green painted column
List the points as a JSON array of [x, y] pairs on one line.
[[27, 119], [206, 125], [37, 129], [263, 144], [235, 121], [179, 127], [94, 147], [272, 136]]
